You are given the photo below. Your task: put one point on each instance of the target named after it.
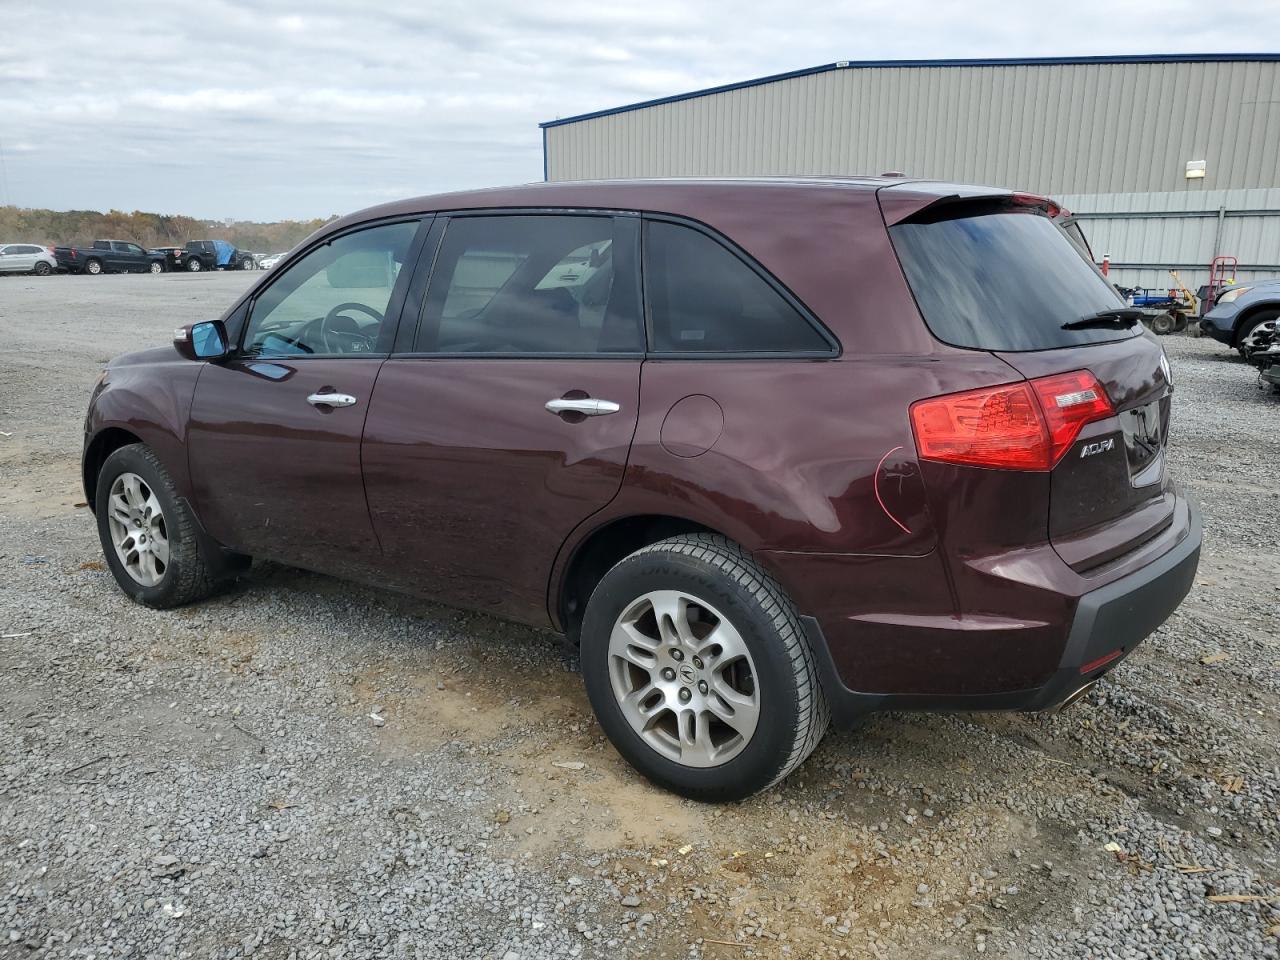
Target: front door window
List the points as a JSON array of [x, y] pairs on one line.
[[334, 300]]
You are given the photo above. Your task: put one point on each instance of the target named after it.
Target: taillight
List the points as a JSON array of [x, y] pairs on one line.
[[1018, 426], [1069, 401]]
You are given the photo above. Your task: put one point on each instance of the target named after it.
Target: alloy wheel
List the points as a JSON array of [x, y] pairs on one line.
[[138, 529], [683, 678]]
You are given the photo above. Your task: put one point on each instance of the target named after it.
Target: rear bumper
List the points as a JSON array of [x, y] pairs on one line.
[[1108, 624]]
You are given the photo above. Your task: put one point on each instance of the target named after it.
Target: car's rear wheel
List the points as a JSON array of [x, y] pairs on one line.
[[148, 533], [156, 267], [193, 265], [699, 671], [93, 267], [1162, 323], [42, 269]]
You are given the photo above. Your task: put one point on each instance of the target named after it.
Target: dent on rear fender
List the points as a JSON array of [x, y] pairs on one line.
[[822, 506], [807, 457]]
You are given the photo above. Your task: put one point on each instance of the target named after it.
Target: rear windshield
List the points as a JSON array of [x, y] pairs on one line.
[[1003, 279]]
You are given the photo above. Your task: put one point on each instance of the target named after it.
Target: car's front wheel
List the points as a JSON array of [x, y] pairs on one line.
[[156, 267], [1252, 324], [699, 671], [148, 533]]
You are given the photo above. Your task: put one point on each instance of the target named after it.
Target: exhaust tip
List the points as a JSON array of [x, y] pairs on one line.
[[1075, 696]]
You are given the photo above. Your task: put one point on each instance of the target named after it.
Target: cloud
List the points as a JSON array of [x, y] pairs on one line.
[[239, 108]]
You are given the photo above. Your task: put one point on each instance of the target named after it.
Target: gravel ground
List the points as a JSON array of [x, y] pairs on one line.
[[303, 768]]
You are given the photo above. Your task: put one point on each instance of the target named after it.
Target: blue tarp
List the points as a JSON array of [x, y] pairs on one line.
[[224, 252]]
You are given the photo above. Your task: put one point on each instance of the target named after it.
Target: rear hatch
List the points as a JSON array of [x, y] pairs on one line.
[[996, 273]]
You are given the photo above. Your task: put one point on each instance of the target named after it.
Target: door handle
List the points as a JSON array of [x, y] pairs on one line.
[[331, 400], [587, 407]]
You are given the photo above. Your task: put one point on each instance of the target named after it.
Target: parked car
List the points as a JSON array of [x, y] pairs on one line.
[[271, 260], [27, 258], [171, 255], [873, 462], [108, 256], [1239, 310], [212, 255]]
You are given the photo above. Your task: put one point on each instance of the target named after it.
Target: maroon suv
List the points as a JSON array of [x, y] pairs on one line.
[[767, 451]]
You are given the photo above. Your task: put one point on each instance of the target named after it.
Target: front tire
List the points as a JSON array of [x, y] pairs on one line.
[[156, 267], [149, 535], [1253, 324], [699, 670]]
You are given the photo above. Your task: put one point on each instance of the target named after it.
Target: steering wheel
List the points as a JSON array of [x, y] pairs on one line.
[[348, 341]]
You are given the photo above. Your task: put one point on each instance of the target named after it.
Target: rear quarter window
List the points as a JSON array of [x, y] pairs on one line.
[[703, 299], [1002, 279]]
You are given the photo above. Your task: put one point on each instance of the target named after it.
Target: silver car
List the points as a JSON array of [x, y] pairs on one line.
[[27, 258], [1241, 309]]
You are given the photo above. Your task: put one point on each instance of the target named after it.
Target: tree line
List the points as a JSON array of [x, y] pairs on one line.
[[61, 227]]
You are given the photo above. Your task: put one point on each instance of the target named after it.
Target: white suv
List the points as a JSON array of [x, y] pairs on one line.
[[27, 258]]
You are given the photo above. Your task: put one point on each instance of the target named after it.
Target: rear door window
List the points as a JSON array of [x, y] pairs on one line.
[[995, 278], [534, 285], [703, 298]]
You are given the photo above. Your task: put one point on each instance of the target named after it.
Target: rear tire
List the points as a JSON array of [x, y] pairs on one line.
[[134, 517], [93, 267], [684, 734], [42, 269], [1163, 324], [194, 265]]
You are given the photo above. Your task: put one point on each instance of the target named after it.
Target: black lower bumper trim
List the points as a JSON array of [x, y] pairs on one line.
[[1113, 618]]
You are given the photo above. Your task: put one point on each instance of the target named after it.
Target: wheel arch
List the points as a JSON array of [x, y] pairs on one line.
[[597, 551], [104, 443], [1249, 314]]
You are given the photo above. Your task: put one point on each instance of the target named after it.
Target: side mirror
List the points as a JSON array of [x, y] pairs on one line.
[[206, 340]]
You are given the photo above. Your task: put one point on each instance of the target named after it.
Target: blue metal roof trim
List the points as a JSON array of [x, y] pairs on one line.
[[876, 64]]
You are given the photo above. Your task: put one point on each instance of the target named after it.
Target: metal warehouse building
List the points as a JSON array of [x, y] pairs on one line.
[[1169, 160]]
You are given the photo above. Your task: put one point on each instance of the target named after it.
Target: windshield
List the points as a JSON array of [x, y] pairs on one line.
[[1000, 278]]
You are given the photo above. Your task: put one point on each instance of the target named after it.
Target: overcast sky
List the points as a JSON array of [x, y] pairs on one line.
[[260, 110]]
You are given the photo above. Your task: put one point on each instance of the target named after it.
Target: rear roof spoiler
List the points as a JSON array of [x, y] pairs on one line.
[[899, 202]]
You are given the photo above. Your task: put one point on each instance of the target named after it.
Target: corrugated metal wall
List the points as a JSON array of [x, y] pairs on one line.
[[1146, 234], [1106, 138], [1077, 128]]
